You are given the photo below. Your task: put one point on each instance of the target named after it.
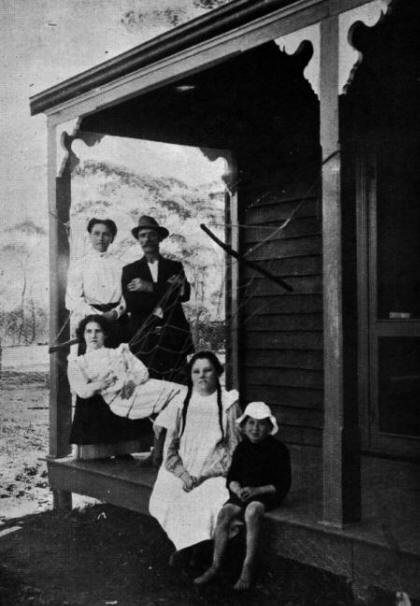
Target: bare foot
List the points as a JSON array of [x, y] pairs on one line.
[[244, 581], [207, 576]]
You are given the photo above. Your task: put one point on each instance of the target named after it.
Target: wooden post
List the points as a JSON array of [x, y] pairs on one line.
[[341, 473], [232, 277], [59, 198]]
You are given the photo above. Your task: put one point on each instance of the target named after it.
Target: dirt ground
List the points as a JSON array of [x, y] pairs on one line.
[[103, 555]]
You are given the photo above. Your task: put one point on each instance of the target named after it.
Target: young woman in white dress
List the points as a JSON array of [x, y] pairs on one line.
[[94, 281], [190, 488]]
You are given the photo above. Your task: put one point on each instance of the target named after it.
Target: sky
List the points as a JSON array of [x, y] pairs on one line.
[[43, 43], [46, 41]]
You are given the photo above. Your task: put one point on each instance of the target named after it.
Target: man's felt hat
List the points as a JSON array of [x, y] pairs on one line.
[[146, 222], [259, 411]]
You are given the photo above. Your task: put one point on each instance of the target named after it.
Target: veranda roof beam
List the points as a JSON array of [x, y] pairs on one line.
[[200, 43]]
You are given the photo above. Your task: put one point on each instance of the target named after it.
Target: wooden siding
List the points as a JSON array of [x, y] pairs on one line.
[[281, 347]]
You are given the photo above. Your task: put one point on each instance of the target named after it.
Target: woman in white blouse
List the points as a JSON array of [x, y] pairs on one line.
[[113, 389], [94, 282]]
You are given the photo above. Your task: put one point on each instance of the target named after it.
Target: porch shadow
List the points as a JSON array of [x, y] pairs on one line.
[[105, 554], [381, 551]]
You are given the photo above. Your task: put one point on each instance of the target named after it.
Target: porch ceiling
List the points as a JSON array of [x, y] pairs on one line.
[[254, 96]]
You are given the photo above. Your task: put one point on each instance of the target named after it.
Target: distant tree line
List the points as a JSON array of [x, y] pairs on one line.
[[24, 325]]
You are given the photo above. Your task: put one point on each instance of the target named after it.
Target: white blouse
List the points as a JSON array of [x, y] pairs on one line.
[[94, 280], [119, 365], [95, 365]]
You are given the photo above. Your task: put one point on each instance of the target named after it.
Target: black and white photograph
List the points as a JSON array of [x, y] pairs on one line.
[[210, 303]]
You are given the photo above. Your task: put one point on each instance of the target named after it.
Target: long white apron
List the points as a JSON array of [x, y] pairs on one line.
[[190, 517]]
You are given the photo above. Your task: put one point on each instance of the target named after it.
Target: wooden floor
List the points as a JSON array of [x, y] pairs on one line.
[[383, 550]]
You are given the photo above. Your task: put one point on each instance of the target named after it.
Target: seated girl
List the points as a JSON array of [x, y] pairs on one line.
[[191, 485], [115, 396], [258, 480]]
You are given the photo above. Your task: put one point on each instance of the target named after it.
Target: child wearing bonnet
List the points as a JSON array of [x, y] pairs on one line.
[[258, 480]]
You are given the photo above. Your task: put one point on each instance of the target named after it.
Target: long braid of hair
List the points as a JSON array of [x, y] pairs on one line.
[[220, 409], [185, 407]]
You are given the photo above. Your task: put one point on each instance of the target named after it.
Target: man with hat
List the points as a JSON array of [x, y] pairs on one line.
[[154, 289]]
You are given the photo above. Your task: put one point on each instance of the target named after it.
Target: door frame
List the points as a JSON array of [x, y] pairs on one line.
[[370, 327]]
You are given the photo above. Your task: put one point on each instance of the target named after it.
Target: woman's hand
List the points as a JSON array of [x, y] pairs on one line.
[[104, 382], [108, 380], [176, 280], [127, 390], [188, 482]]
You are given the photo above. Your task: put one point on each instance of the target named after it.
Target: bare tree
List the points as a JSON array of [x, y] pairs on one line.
[[23, 246]]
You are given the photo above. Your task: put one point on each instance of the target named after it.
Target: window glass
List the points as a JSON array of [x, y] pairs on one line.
[[399, 385], [398, 232]]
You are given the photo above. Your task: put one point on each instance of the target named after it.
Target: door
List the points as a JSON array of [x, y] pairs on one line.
[[389, 297]]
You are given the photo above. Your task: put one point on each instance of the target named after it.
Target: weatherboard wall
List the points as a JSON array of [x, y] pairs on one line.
[[281, 346]]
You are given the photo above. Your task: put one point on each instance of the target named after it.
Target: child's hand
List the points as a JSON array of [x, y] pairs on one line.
[[236, 488], [248, 492]]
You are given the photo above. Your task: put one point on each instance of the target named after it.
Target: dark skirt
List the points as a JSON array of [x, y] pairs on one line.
[[95, 423]]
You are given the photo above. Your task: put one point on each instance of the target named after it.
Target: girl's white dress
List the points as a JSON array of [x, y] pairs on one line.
[[190, 517], [149, 397]]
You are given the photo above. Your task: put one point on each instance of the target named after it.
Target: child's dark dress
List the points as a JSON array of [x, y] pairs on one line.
[[261, 464]]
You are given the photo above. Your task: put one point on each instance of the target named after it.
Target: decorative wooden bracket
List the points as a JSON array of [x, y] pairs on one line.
[[66, 134], [350, 57], [298, 43]]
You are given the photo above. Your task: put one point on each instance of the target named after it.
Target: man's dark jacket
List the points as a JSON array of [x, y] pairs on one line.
[[165, 342]]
